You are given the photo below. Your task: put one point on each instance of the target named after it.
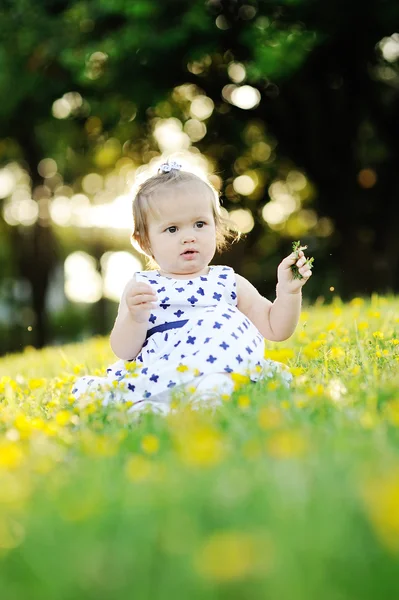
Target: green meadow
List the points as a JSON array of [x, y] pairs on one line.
[[284, 494]]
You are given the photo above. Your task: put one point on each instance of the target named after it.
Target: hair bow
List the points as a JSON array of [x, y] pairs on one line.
[[167, 167]]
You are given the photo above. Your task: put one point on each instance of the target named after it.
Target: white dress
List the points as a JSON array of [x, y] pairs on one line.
[[196, 331]]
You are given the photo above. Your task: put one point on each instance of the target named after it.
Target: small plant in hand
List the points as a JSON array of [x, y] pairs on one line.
[[296, 248]]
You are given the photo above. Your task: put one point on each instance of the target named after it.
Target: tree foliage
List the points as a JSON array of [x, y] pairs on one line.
[[329, 105]]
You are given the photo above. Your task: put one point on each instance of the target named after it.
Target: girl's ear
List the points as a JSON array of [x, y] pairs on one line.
[[136, 243]]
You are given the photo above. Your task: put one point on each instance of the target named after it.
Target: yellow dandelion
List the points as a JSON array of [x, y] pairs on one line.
[[11, 455], [12, 533], [391, 412], [201, 446], [138, 468], [336, 352], [378, 335], [270, 417], [368, 420], [315, 390], [357, 302], [232, 555], [297, 371], [381, 497], [273, 385], [34, 384], [286, 444], [244, 402], [150, 444], [239, 380], [63, 418]]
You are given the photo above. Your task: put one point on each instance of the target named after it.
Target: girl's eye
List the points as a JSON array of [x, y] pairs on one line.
[[172, 229], [200, 224]]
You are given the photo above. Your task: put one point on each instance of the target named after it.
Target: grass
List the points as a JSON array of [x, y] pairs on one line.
[[280, 494]]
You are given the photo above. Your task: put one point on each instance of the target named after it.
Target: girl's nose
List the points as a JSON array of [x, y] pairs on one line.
[[188, 237]]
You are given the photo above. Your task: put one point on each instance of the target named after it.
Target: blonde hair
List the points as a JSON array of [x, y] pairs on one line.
[[162, 183]]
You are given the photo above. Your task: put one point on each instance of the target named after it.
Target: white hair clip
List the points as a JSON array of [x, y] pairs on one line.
[[167, 167]]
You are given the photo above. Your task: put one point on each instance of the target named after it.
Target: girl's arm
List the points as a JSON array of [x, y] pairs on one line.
[[130, 328], [276, 321]]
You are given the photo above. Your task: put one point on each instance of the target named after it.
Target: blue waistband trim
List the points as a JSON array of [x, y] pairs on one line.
[[165, 327]]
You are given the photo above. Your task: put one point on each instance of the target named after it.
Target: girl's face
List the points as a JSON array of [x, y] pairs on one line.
[[182, 233]]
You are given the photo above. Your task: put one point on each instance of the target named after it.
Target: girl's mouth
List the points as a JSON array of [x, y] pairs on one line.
[[189, 254]]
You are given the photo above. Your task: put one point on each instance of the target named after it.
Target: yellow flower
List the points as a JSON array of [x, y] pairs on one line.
[[12, 533], [335, 352], [374, 314], [274, 385], [63, 417], [232, 555], [381, 496], [150, 444], [131, 366], [312, 350], [34, 384], [391, 412], [368, 420], [378, 335], [23, 425], [139, 468], [201, 446], [244, 402], [182, 368], [394, 341], [286, 444], [357, 302], [239, 380], [362, 325], [296, 371], [269, 417], [11, 455], [315, 390], [281, 355]]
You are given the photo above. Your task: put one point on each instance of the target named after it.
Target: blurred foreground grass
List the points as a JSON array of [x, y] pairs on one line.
[[279, 494]]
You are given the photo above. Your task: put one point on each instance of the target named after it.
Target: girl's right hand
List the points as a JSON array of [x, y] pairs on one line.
[[140, 300]]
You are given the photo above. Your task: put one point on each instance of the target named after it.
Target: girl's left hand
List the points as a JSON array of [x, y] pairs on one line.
[[285, 279]]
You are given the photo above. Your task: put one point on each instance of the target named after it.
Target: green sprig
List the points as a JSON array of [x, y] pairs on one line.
[[296, 248]]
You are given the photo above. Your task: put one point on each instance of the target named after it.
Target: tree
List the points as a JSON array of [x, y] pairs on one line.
[[328, 100]]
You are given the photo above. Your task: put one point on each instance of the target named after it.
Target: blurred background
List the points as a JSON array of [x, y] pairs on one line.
[[291, 107]]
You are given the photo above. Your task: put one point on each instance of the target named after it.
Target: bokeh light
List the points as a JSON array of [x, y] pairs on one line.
[[201, 107], [170, 136], [236, 72], [245, 97], [245, 184], [7, 182], [367, 178], [92, 183], [389, 47], [47, 167], [243, 219], [118, 268], [83, 283]]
